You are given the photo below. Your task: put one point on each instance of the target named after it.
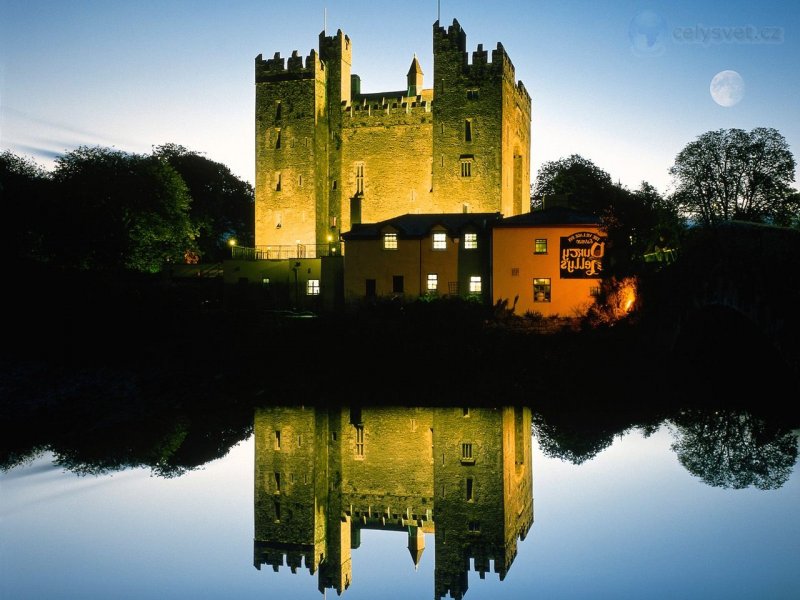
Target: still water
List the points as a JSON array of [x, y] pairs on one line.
[[420, 503]]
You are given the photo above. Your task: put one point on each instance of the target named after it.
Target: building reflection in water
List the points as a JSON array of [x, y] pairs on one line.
[[323, 475]]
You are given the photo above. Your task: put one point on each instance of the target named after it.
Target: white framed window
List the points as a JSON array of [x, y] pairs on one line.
[[440, 240], [475, 284], [312, 287], [470, 241], [433, 282], [390, 241]]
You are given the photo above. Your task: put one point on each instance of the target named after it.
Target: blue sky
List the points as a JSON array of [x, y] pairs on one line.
[[625, 84]]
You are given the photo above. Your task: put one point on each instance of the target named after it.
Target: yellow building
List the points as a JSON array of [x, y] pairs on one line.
[[547, 262], [322, 475], [329, 156], [419, 254]]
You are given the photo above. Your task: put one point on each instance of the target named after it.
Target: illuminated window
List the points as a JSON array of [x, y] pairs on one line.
[[470, 241], [390, 241], [540, 246], [360, 178], [439, 240], [594, 291], [475, 284], [433, 282], [360, 441], [312, 287], [466, 167], [541, 289]]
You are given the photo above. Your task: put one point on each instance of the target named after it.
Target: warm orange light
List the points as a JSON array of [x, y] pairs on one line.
[[232, 242]]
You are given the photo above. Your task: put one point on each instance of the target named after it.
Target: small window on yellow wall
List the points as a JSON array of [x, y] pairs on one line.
[[390, 241], [433, 282], [541, 289], [440, 240], [540, 246]]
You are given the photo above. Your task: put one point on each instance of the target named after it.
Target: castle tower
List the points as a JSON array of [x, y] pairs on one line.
[[329, 156], [481, 133]]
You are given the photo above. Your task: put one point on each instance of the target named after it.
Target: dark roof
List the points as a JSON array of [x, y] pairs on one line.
[[419, 225], [556, 215]]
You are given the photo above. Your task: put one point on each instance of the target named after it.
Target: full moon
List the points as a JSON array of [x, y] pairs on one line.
[[727, 88]]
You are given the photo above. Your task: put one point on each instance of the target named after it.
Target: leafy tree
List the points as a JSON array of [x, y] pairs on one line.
[[24, 188], [732, 174], [115, 210], [634, 221], [222, 204], [574, 180], [734, 449]]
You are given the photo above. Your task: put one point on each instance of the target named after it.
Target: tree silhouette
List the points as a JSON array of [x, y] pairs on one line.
[[222, 204], [734, 449], [732, 174]]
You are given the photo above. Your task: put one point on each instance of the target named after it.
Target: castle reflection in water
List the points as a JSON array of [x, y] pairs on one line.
[[322, 475]]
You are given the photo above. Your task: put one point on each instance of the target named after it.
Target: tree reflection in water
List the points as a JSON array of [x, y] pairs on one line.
[[734, 449]]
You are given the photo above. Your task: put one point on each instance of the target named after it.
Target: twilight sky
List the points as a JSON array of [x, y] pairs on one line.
[[625, 84]]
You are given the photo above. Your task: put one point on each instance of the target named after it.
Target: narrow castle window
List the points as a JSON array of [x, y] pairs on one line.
[[470, 497], [278, 110], [300, 181], [278, 185], [277, 512], [467, 130], [277, 482], [360, 178], [277, 439], [466, 452], [360, 441], [466, 167], [277, 139]]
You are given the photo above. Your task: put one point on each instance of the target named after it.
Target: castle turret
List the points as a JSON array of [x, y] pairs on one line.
[[414, 78]]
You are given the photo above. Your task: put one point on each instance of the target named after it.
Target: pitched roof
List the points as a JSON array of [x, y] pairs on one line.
[[556, 215], [413, 225], [415, 67]]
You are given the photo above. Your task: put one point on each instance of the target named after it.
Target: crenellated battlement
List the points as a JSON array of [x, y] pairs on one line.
[[276, 555], [454, 37], [276, 69], [376, 108]]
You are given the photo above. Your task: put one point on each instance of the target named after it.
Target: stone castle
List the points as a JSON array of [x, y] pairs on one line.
[[329, 156], [462, 476]]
